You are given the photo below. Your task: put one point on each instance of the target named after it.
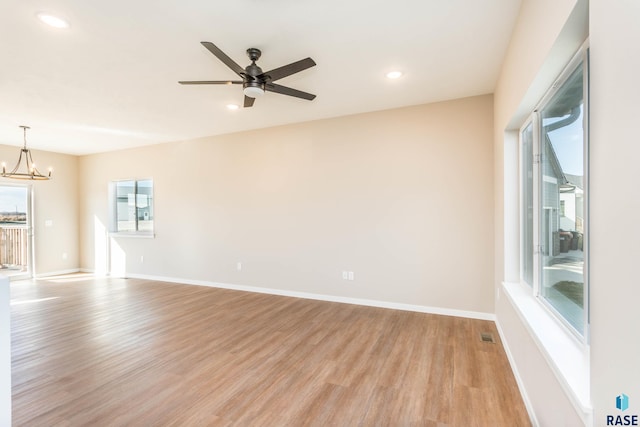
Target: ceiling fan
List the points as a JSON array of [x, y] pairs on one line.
[[254, 81]]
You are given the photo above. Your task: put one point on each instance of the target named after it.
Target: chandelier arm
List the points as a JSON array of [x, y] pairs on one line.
[[31, 167], [15, 169]]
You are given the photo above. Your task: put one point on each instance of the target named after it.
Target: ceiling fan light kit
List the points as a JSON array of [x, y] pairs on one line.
[[253, 90], [254, 81]]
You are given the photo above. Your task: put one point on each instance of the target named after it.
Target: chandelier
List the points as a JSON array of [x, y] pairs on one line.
[[29, 171]]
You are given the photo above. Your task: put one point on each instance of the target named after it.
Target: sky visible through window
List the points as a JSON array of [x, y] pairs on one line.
[[568, 145], [13, 199]]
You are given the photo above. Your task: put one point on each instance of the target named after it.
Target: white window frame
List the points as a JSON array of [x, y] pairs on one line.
[[533, 121], [582, 56]]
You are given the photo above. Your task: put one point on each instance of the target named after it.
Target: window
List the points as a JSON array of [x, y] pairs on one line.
[[553, 146], [132, 207]]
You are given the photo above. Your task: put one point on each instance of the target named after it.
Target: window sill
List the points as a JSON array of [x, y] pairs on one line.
[[134, 235], [567, 357]]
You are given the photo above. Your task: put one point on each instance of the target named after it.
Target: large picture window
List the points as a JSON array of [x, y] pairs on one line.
[[132, 206], [553, 147]]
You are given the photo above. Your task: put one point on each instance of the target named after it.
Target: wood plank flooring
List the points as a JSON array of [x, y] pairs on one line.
[[124, 352]]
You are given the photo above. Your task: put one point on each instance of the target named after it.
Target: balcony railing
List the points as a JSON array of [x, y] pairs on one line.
[[13, 247]]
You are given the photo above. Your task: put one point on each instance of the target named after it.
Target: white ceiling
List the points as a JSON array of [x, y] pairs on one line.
[[110, 80]]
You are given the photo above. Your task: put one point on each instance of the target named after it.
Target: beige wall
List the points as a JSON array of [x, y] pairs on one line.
[[403, 198], [615, 294], [55, 200]]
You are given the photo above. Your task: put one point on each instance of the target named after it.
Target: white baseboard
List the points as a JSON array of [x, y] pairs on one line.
[[322, 297], [57, 273], [516, 374], [94, 272]]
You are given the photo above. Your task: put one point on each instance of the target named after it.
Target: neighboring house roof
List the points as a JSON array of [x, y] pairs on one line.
[[572, 115], [567, 182], [554, 162], [577, 180]]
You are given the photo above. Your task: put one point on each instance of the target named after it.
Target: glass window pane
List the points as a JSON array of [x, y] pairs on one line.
[[125, 206], [13, 205], [144, 206], [527, 204], [562, 201]]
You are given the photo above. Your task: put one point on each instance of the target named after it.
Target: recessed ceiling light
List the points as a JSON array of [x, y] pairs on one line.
[[233, 107], [52, 21], [394, 74]]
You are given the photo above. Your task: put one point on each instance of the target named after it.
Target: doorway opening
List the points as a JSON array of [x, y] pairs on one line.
[[15, 231]]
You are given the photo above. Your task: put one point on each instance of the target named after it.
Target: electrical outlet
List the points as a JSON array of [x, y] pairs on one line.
[[345, 275], [351, 276]]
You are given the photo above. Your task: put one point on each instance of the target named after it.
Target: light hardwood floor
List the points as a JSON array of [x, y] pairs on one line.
[[125, 352]]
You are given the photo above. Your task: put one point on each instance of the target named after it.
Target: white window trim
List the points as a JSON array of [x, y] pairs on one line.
[[567, 357], [133, 234]]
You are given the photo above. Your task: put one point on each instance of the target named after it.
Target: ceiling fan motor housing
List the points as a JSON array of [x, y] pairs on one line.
[[253, 70], [253, 86]]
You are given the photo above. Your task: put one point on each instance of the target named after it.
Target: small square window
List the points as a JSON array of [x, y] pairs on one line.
[[131, 207]]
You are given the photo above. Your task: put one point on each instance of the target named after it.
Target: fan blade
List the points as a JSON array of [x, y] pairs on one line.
[[287, 70], [248, 101], [212, 82], [272, 87], [224, 58]]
